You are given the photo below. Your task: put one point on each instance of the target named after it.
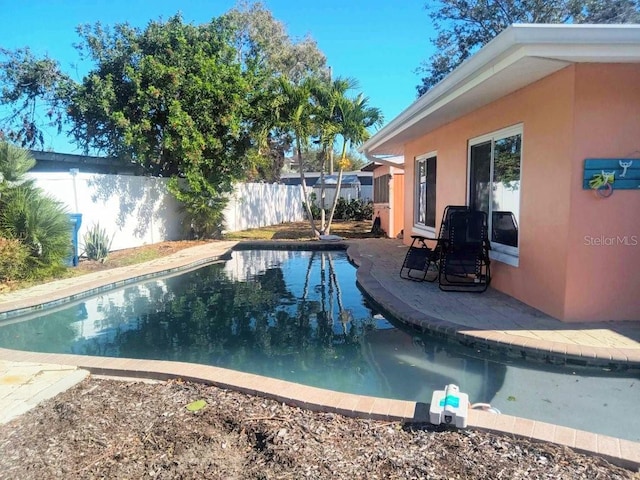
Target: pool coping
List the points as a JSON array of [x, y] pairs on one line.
[[618, 451], [621, 452], [618, 358]]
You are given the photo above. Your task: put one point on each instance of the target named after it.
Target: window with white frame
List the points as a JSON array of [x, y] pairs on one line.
[[425, 192], [494, 187]]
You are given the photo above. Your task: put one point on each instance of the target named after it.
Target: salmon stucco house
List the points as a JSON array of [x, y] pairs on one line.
[[541, 130]]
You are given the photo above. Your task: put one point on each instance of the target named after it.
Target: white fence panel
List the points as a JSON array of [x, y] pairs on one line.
[[254, 205], [138, 211], [134, 210]]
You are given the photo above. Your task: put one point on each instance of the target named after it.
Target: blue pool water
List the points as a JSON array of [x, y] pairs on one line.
[[299, 316]]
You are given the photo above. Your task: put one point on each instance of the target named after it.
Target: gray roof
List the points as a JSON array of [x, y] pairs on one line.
[[332, 181]]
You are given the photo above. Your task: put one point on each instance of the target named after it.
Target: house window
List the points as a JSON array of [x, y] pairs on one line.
[[425, 197], [381, 189], [494, 187]]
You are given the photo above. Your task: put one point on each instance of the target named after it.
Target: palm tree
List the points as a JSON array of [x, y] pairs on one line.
[[14, 163], [356, 117], [328, 97], [314, 108], [30, 216], [295, 111]]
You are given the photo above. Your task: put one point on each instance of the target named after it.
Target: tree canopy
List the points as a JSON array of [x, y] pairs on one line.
[[172, 98], [262, 41], [204, 105], [32, 97], [262, 44], [463, 26]]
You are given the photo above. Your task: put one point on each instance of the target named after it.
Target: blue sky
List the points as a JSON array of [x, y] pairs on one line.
[[378, 42]]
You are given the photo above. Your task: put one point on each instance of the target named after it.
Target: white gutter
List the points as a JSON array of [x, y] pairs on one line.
[[563, 44]]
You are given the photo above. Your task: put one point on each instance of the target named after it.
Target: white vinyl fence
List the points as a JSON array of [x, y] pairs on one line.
[[138, 211], [135, 211], [254, 205]]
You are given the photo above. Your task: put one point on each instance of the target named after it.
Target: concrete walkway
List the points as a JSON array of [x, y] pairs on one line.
[[25, 384], [490, 320]]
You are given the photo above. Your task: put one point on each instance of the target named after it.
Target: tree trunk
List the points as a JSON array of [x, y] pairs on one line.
[[322, 206], [304, 192], [338, 185], [335, 202]]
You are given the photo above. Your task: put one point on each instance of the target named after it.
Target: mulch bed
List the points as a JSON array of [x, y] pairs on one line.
[[105, 428]]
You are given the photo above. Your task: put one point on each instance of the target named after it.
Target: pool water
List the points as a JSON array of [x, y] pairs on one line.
[[299, 316]]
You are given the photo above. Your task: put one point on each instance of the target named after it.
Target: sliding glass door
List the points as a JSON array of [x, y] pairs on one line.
[[494, 187]]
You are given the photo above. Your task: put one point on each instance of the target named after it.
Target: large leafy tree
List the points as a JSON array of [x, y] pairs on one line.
[[261, 40], [33, 94], [263, 46], [463, 26], [172, 98]]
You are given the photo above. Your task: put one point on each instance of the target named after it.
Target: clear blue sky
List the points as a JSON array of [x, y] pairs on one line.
[[378, 42]]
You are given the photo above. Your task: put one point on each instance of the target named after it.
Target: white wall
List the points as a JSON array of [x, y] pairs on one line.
[[138, 211], [254, 205], [134, 210]]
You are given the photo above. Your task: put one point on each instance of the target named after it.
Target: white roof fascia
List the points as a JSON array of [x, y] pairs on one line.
[[560, 44], [394, 161]]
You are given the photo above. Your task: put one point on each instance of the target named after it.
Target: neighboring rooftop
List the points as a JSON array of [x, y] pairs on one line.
[[64, 162]]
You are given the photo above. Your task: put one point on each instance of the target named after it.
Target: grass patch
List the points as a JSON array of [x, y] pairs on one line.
[[300, 231]]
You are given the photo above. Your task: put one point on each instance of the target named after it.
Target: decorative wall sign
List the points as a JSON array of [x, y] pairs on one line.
[[618, 173]]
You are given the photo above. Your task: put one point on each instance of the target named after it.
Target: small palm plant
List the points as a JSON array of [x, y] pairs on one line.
[[28, 215], [97, 243]]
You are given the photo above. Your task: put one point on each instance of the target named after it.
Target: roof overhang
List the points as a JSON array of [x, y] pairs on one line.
[[519, 56], [395, 161]]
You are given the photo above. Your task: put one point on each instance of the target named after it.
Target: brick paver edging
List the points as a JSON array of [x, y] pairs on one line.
[[620, 452], [541, 350]]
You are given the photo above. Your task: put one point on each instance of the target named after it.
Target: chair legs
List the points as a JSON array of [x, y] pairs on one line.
[[417, 261], [458, 275]]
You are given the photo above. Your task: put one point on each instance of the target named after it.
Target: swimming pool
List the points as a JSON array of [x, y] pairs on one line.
[[299, 316]]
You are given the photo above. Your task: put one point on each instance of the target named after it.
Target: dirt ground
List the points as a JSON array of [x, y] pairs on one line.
[[285, 231], [105, 428], [132, 430]]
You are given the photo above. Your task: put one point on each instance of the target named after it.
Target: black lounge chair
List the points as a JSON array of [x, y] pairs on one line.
[[463, 260], [417, 260], [420, 258]]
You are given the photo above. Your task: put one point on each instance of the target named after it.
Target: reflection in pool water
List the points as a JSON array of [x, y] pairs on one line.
[[299, 316]]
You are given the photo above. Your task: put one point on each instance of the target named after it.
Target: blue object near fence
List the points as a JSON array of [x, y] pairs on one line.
[[75, 220]]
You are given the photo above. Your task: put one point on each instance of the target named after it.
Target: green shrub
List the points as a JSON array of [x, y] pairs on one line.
[[355, 209], [29, 216], [41, 223], [97, 243], [202, 210], [13, 259]]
